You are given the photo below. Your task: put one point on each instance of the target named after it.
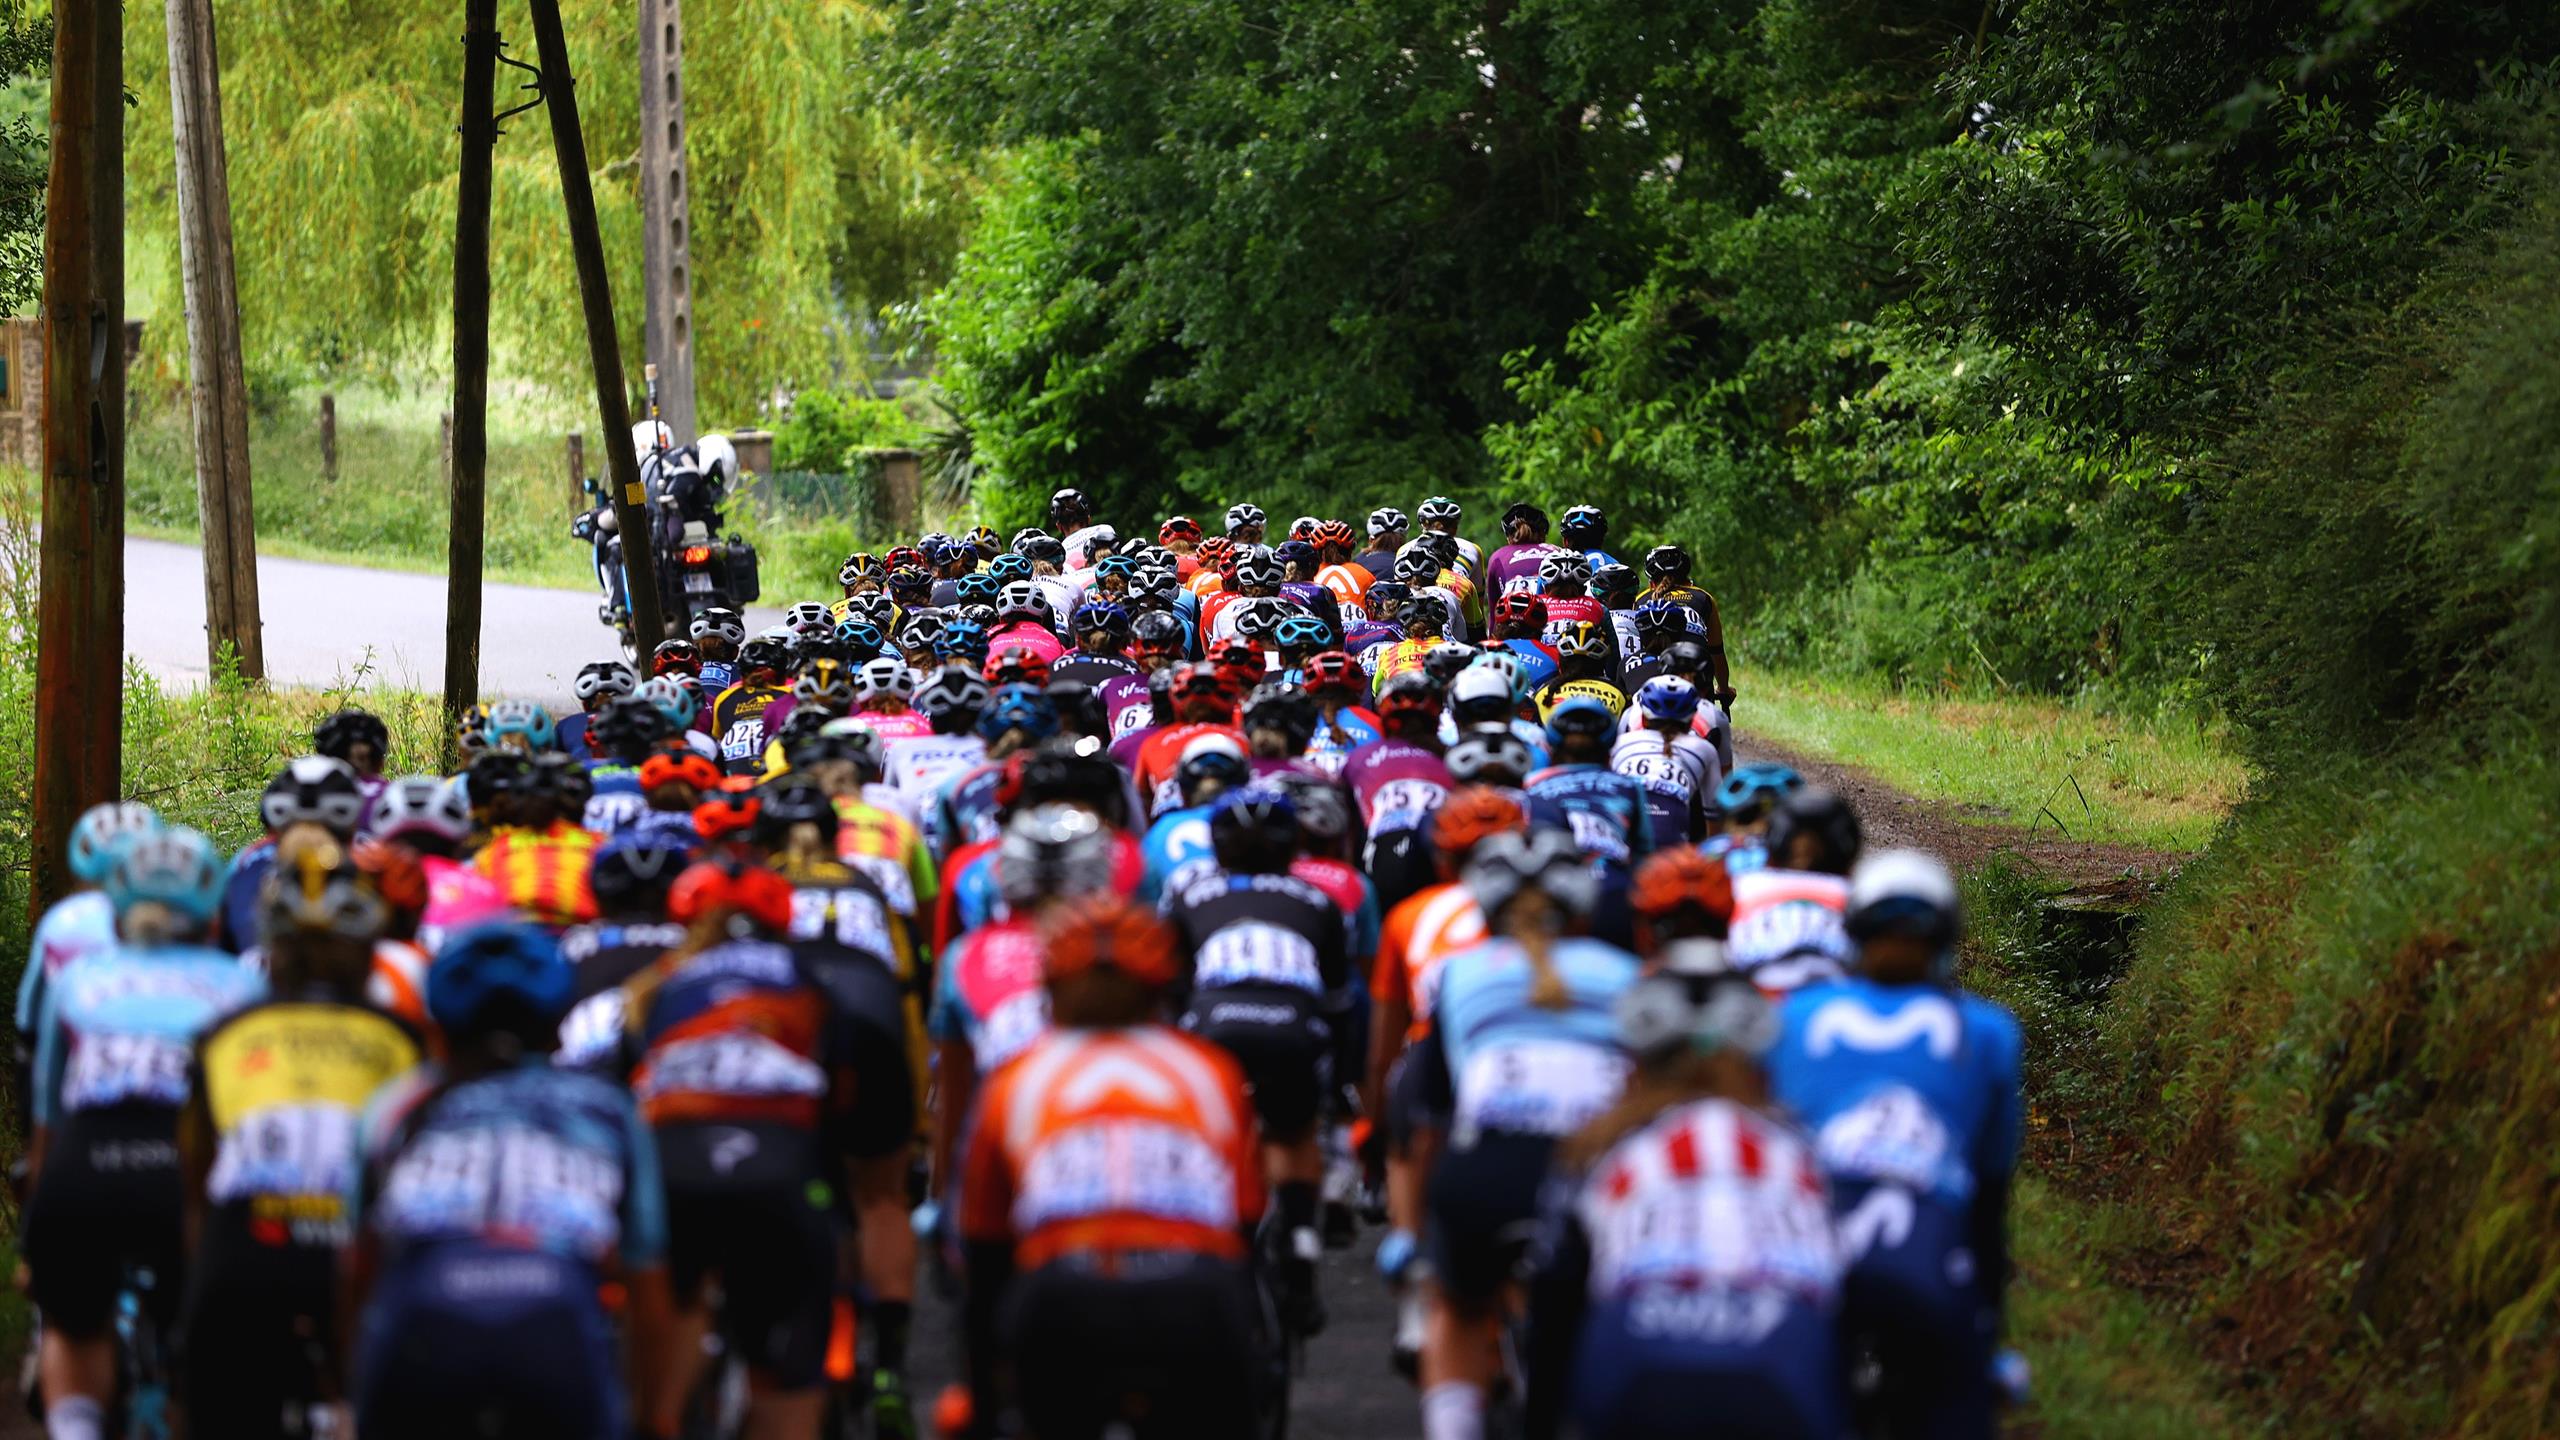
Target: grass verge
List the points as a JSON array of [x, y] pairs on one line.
[[2012, 760]]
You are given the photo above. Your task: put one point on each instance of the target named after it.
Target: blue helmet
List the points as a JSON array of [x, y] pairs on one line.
[[1305, 630], [1009, 567], [175, 867], [962, 640], [491, 964], [1753, 785], [1019, 707], [521, 721], [980, 588], [101, 830], [1585, 715], [860, 636], [1667, 697]]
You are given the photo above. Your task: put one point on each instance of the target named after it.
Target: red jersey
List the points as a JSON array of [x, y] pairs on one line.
[[1161, 756]]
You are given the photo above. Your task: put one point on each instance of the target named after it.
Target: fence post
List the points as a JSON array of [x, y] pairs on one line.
[[577, 470], [329, 437]]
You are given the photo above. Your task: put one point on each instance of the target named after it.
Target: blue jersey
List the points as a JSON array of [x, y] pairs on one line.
[[74, 928], [1608, 813], [1520, 1067], [1912, 1085], [718, 675], [1533, 657], [1178, 838], [614, 798], [571, 732], [1741, 854], [534, 1158], [118, 1027], [241, 890]]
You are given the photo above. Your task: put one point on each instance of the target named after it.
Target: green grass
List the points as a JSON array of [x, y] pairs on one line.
[[2009, 759]]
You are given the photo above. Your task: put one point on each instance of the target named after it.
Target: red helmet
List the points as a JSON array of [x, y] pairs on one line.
[[1241, 662], [906, 555], [1681, 878], [1410, 692], [717, 886], [730, 812], [1014, 665], [1518, 607], [688, 768], [1180, 527], [1201, 680], [1333, 534], [1087, 932], [1333, 670]]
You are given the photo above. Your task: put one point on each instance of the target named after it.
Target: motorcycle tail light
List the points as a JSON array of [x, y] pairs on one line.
[[697, 554]]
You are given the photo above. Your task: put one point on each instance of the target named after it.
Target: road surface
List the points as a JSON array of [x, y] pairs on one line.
[[325, 624]]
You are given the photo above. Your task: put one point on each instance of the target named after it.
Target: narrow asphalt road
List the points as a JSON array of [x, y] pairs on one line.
[[329, 624]]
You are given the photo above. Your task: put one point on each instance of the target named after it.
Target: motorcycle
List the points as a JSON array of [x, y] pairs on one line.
[[697, 567]]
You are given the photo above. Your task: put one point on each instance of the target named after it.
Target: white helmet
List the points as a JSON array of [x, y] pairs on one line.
[[883, 675], [421, 805], [649, 436], [719, 459], [1904, 890]]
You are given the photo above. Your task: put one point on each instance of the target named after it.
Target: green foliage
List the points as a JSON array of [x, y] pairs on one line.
[[826, 427], [26, 57]]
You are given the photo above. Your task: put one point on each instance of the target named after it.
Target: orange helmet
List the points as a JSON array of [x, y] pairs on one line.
[[688, 768], [715, 886], [1087, 931], [1216, 550], [728, 813], [1681, 877], [1470, 814], [1333, 534]]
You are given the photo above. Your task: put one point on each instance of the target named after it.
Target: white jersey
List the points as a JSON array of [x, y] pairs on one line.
[[918, 767], [1710, 724], [1689, 766]]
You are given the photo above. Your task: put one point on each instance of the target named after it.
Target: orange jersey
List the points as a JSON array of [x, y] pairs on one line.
[[1113, 1142], [1205, 581], [1349, 583], [1424, 929], [544, 875]]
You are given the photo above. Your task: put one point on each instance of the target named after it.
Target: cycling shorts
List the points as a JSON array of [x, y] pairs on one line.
[[873, 1004], [1183, 1338], [1483, 1208], [473, 1339], [1917, 1304], [258, 1316], [773, 1247], [1635, 1382], [107, 1200], [1419, 1100], [1401, 865], [1281, 1037]]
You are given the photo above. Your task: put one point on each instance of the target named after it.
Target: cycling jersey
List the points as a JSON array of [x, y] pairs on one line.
[[1178, 840], [570, 734], [1126, 704], [1026, 635], [1678, 773], [237, 925], [1538, 660], [116, 1027], [1519, 1067], [1161, 756], [1419, 935], [920, 767], [1113, 1142], [1338, 734], [1389, 659], [990, 993], [1741, 854], [1513, 569], [72, 928], [738, 724], [1366, 635], [1348, 583], [1090, 670], [614, 800], [1787, 928], [1600, 690], [1350, 892], [1916, 1085], [542, 873], [1259, 930], [891, 851], [279, 1087], [1565, 610], [1397, 784], [1607, 812], [605, 953], [893, 728], [718, 675], [967, 814]]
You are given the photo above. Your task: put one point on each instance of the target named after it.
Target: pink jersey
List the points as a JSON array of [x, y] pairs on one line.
[[905, 725], [1398, 784], [1024, 635], [1001, 1005]]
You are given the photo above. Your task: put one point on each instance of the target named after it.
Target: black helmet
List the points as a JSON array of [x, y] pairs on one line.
[[1254, 831], [633, 878], [555, 777], [1160, 629], [1212, 758], [789, 803], [1443, 661], [1285, 708], [1822, 815], [1685, 657], [1585, 527], [1536, 517], [803, 723], [764, 653], [1056, 774], [626, 729], [1069, 503], [1667, 562], [1613, 586], [337, 734], [1424, 615]]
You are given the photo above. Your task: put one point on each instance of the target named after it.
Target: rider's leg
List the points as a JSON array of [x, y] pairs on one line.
[[664, 1394], [75, 1371], [778, 1414], [1461, 1355], [888, 1251]]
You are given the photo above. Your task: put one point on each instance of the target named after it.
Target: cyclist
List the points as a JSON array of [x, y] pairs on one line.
[[267, 1146], [919, 767], [79, 924], [631, 879], [1525, 1042], [1787, 914], [884, 690], [1686, 659], [621, 738], [1513, 568], [1246, 524], [738, 712], [1389, 529], [1026, 620], [361, 740], [1679, 772], [1440, 516], [1179, 838], [315, 791], [1383, 622], [1586, 657], [496, 1196], [672, 785], [675, 657], [1181, 535], [1104, 1204], [1668, 568], [1017, 718], [1269, 981], [1397, 780], [1519, 627], [1338, 573], [1343, 724], [110, 1077], [1423, 620], [1911, 1087], [1565, 581], [1641, 1317], [1683, 904], [1608, 812], [718, 632], [537, 855], [1203, 704], [1586, 528], [1745, 802]]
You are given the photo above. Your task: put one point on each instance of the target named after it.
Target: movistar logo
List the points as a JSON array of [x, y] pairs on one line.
[[1849, 1024]]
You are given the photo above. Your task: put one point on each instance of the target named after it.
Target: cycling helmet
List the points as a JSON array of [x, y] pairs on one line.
[[625, 729], [174, 867], [1254, 831], [1046, 549], [1751, 787], [751, 897], [1244, 514], [1680, 877], [1667, 698], [1114, 574], [633, 877], [1160, 630], [902, 556], [1521, 607], [1070, 508], [100, 829], [1284, 709], [982, 538], [808, 615], [1490, 757], [1303, 528], [1821, 816], [963, 640], [1104, 619], [1417, 566], [1061, 775], [604, 678], [1010, 567], [725, 812], [1018, 707], [789, 803], [860, 566], [952, 689], [471, 731], [1613, 585], [1324, 812], [1582, 640], [1387, 520], [1328, 670], [1241, 662], [555, 777], [911, 584], [1156, 583], [317, 891], [826, 683], [922, 633], [1408, 692], [1906, 892], [1053, 851], [1106, 932], [978, 589], [718, 623], [799, 727], [1444, 661], [1424, 615], [1210, 758], [1522, 511], [1202, 680], [1295, 552], [1017, 665], [343, 731], [314, 790], [771, 657], [1301, 631], [1505, 865], [1469, 815], [1685, 657], [1333, 535], [1179, 527], [1513, 669], [1660, 625], [1584, 527], [689, 769], [504, 977], [1022, 600], [1382, 599], [1570, 569], [1257, 567], [885, 675], [1667, 562], [1481, 695], [1258, 620], [1676, 1012], [1439, 509], [679, 702], [677, 655]]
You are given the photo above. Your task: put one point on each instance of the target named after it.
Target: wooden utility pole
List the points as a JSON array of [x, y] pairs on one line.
[[604, 346], [467, 432], [80, 618], [666, 241], [219, 391]]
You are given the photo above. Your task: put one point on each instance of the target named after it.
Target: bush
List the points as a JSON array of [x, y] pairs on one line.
[[827, 428]]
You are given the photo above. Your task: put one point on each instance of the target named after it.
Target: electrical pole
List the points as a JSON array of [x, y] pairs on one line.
[[604, 346], [666, 239], [470, 418], [218, 389], [80, 618]]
